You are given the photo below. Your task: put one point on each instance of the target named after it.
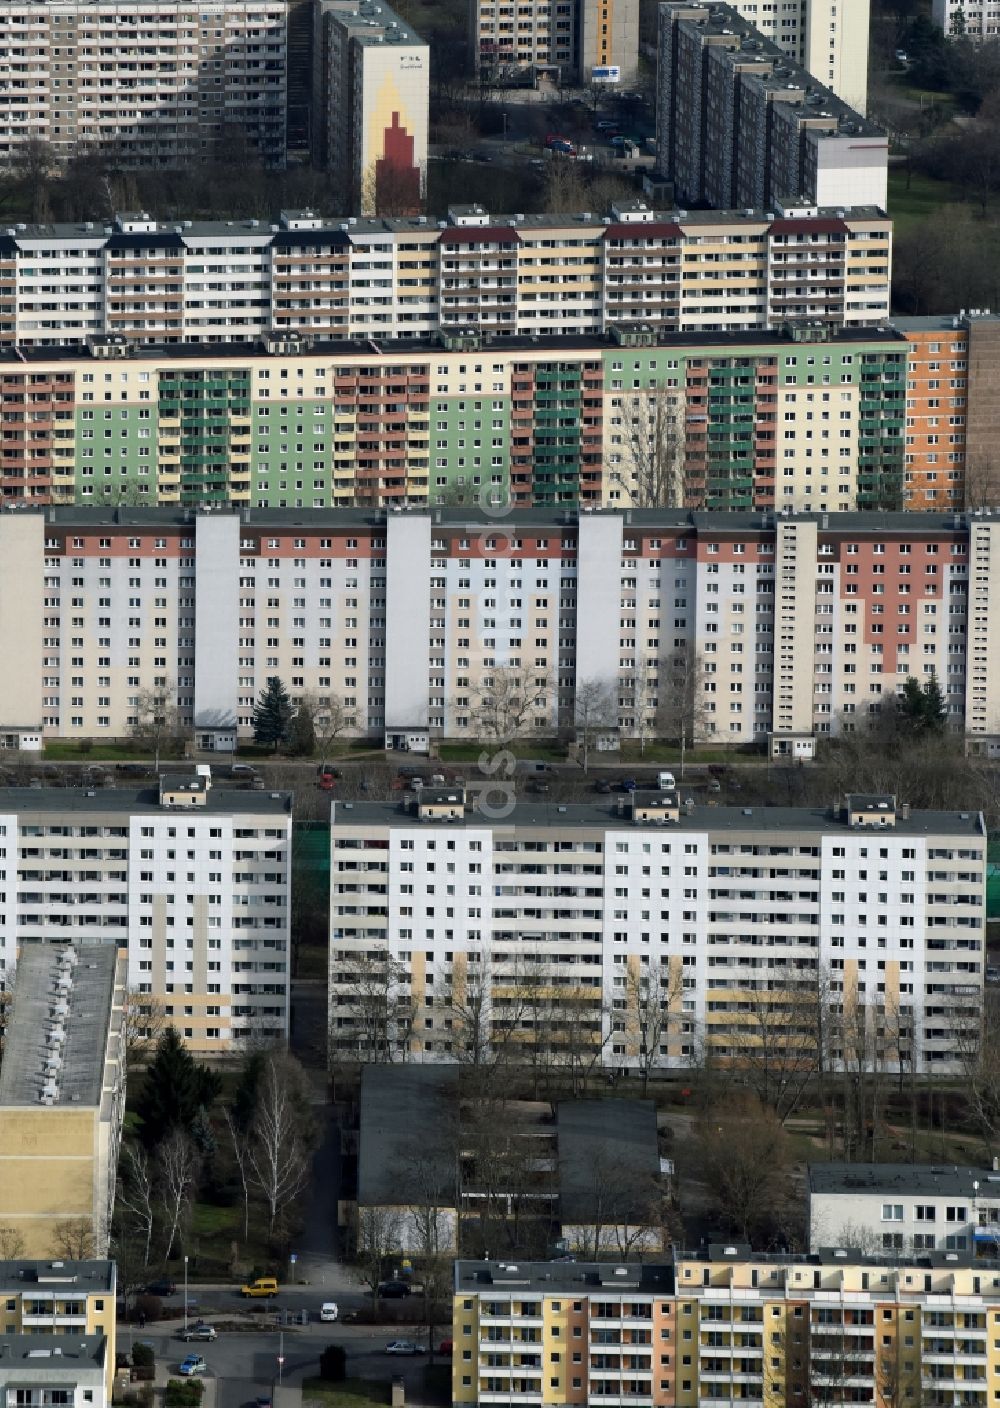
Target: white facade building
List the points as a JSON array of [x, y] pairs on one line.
[[904, 1207], [156, 82], [979, 19], [199, 895], [582, 903], [39, 1370]]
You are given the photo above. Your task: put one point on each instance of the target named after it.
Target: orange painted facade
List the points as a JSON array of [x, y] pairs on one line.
[[936, 408]]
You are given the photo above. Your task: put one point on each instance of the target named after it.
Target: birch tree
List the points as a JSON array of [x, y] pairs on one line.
[[278, 1150], [177, 1161]]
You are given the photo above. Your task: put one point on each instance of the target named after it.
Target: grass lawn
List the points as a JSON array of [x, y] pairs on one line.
[[352, 1393], [924, 198], [470, 752], [99, 753]]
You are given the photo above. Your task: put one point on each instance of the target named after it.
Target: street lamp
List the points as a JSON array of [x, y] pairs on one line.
[[185, 1293], [281, 1353]]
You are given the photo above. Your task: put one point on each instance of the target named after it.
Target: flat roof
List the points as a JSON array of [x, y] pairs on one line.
[[430, 346], [608, 1159], [564, 1277], [292, 226], [56, 1278], [603, 815], [121, 801], [959, 1180], [89, 995], [407, 1141], [786, 73], [740, 1252], [51, 1358]]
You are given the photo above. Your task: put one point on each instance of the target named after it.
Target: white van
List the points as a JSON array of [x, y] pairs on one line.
[[328, 1311], [665, 781]]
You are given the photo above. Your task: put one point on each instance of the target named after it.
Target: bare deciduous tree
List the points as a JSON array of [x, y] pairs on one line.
[[177, 1170], [682, 712], [744, 1153], [979, 1053], [143, 1020], [155, 718], [73, 1239], [650, 473], [505, 700], [278, 1149], [241, 1154], [595, 711], [776, 1045], [372, 1014], [12, 1244], [135, 1198], [331, 718], [648, 1012], [379, 1234]]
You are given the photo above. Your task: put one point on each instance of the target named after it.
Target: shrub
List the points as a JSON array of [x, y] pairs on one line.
[[142, 1355], [333, 1364], [183, 1393]]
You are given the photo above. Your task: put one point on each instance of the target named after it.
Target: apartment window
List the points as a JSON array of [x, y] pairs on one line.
[[892, 1212]]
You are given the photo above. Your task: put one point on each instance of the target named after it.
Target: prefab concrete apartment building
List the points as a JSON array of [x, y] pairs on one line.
[[729, 1325], [408, 277], [804, 621], [828, 38], [554, 917], [192, 880], [740, 123], [155, 82]]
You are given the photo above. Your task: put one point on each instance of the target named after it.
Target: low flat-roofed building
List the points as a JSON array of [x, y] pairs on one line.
[[905, 1207], [609, 1177], [62, 1097], [407, 1154]]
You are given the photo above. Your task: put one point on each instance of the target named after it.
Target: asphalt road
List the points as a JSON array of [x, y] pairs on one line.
[[244, 1363]]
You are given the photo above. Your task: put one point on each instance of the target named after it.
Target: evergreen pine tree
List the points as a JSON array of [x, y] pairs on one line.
[[176, 1087], [272, 716]]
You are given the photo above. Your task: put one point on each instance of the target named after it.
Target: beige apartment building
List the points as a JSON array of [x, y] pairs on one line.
[[62, 1096], [567, 42], [407, 277], [155, 82], [193, 880], [52, 1300]]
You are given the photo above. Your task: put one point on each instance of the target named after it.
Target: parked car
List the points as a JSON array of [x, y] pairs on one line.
[[714, 785], [328, 1312], [262, 1401], [666, 781], [537, 785], [242, 770], [628, 784], [446, 1347], [193, 1364], [199, 1332], [263, 1286], [602, 785], [405, 1347], [161, 1288], [393, 1290], [606, 124]]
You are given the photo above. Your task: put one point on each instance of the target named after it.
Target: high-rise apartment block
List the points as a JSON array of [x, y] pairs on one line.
[[559, 41], [729, 1325], [500, 275], [554, 916], [192, 880], [828, 38], [978, 19], [740, 123], [808, 419], [803, 620], [155, 82], [370, 104], [62, 1094]]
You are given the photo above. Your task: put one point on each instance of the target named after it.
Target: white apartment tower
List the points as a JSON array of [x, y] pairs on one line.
[[193, 880]]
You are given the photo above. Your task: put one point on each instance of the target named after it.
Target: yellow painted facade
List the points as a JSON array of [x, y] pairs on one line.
[[60, 1298]]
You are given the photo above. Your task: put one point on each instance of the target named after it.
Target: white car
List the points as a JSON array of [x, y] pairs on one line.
[[405, 1347], [328, 1312]]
